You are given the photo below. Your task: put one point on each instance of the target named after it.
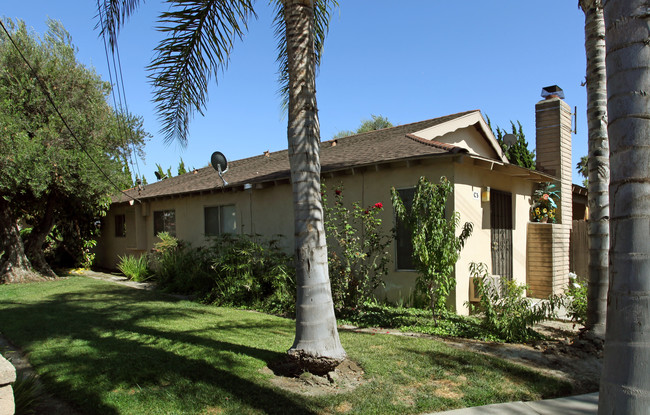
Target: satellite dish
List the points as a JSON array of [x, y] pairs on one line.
[[220, 164], [509, 139]]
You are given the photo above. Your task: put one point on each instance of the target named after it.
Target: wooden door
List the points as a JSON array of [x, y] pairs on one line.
[[501, 231]]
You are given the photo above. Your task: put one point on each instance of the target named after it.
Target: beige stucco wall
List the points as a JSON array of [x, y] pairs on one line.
[[470, 178], [268, 211]]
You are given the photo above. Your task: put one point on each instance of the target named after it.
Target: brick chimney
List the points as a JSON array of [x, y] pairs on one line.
[[553, 137]]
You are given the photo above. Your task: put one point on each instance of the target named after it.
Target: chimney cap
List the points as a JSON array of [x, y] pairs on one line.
[[551, 91]]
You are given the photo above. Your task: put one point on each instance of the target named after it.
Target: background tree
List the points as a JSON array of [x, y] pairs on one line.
[[200, 37], [49, 178], [625, 380], [518, 152], [377, 122], [436, 247], [598, 167], [583, 169]]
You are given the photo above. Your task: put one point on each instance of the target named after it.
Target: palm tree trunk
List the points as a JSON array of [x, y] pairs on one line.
[[625, 380], [317, 346], [598, 167]]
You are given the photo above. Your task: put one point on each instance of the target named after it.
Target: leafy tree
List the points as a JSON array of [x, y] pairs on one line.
[[181, 167], [518, 152], [377, 122], [436, 247], [48, 178], [625, 380], [200, 37]]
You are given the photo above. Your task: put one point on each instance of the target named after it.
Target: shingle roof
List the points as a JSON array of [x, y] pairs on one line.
[[380, 146]]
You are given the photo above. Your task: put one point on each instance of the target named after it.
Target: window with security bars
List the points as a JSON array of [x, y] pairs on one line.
[[220, 220]]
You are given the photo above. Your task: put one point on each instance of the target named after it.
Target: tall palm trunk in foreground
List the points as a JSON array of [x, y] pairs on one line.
[[625, 381], [598, 196], [199, 38], [317, 344]]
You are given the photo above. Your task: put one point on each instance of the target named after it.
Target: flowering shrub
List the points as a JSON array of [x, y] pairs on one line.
[[576, 300], [357, 250], [544, 205]]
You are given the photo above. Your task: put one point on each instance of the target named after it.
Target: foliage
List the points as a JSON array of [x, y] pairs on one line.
[[357, 250], [135, 268], [506, 311], [63, 186], [235, 270], [109, 349], [377, 122], [545, 203], [583, 169], [576, 300], [27, 394], [518, 152], [436, 247], [252, 272]]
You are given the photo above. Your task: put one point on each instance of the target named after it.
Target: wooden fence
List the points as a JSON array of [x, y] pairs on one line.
[[579, 249]]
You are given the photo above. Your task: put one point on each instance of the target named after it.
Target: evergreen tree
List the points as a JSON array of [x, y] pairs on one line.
[[54, 173]]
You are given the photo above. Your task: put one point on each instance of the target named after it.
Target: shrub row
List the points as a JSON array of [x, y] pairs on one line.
[[234, 270]]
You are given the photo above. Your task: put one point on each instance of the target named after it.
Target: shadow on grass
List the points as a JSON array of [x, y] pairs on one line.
[[499, 372], [106, 340]]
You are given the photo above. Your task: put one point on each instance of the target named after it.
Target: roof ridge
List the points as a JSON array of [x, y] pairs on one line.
[[451, 116]]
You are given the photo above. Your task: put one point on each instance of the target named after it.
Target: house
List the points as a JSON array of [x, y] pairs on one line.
[[488, 191]]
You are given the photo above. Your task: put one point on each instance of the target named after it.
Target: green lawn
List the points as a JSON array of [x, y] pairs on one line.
[[110, 349]]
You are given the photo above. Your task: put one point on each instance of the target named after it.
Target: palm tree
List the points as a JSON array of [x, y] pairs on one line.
[[200, 38], [598, 167], [625, 380]]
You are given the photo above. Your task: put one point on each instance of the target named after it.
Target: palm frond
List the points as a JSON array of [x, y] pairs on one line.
[[322, 12], [112, 15], [200, 37]]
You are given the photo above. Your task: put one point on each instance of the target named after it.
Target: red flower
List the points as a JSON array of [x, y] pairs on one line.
[[366, 212], [338, 192], [545, 197], [378, 205]]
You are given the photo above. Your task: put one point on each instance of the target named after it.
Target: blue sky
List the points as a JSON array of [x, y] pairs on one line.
[[408, 61]]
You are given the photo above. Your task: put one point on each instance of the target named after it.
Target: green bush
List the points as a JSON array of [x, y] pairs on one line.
[[134, 268], [235, 270], [252, 272], [27, 394], [506, 312], [357, 250], [575, 300]]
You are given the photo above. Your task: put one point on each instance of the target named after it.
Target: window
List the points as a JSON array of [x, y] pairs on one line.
[[404, 254], [164, 221], [120, 226], [220, 219]]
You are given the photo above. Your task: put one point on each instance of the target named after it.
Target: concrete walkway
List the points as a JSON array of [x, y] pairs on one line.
[[571, 405]]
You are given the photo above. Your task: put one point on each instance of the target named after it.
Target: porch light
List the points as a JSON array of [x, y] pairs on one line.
[[485, 194]]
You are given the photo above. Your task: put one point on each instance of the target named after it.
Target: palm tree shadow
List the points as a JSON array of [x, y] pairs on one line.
[[127, 352]]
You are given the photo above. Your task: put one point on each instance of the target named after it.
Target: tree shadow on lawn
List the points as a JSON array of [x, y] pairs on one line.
[[500, 380], [112, 343]]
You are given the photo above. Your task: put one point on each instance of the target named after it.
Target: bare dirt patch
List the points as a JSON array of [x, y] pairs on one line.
[[287, 375]]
